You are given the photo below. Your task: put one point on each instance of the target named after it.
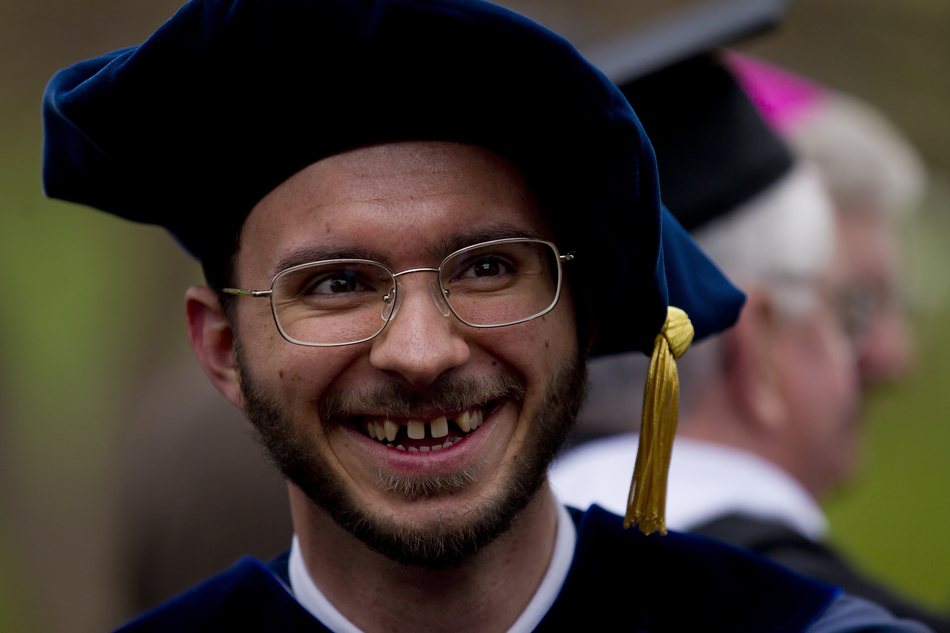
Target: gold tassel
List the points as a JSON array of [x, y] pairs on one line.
[[646, 504]]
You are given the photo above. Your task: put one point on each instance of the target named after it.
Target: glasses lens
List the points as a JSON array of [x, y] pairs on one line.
[[503, 282], [858, 305], [332, 302]]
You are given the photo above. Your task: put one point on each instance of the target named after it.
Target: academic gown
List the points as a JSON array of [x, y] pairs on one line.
[[786, 546], [646, 584]]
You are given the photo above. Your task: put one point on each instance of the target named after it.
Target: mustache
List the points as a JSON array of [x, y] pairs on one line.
[[400, 400]]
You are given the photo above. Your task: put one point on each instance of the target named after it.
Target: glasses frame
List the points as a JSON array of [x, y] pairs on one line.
[[390, 298]]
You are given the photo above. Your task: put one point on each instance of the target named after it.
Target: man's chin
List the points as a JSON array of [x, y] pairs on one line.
[[431, 488], [434, 522], [435, 541]]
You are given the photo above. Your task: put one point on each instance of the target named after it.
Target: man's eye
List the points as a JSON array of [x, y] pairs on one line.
[[486, 267], [337, 283]]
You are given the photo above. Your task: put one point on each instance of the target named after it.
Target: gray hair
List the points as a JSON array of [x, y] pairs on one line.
[[780, 238], [777, 242], [867, 164]]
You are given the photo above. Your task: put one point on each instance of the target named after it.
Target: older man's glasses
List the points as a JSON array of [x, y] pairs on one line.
[[348, 301]]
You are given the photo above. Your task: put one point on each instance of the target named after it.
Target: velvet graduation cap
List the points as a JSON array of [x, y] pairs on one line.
[[229, 98]]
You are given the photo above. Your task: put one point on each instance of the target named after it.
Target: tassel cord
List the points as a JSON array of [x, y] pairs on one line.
[[646, 503]]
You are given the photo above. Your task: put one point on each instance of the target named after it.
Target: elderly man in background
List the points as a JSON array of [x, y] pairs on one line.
[[876, 179], [771, 410]]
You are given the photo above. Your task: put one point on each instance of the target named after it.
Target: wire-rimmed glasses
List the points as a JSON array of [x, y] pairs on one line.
[[347, 301]]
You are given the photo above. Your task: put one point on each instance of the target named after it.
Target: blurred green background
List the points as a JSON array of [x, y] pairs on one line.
[[90, 305]]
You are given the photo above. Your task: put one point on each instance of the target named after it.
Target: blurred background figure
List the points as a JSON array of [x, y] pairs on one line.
[[196, 491], [771, 416], [876, 179]]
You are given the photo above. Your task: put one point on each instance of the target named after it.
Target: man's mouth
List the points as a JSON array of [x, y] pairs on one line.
[[417, 434]]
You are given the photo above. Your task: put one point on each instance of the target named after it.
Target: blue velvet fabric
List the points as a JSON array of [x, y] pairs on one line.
[[230, 97], [673, 584], [695, 283]]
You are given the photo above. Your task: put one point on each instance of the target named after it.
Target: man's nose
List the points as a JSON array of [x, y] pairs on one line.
[[885, 351], [423, 338]]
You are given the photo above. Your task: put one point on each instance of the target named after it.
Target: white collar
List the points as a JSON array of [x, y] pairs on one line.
[[712, 480], [312, 599], [706, 481]]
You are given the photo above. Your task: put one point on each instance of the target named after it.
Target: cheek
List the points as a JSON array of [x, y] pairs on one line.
[[539, 347], [841, 362], [818, 369], [259, 336], [831, 379], [295, 375]]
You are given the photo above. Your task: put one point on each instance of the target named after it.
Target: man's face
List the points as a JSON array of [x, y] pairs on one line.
[[872, 258], [818, 372], [856, 339], [407, 205]]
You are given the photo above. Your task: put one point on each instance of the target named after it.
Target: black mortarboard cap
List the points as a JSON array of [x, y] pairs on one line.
[[230, 97], [713, 148]]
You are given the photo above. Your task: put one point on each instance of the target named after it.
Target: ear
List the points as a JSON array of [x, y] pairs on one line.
[[752, 373], [212, 339]]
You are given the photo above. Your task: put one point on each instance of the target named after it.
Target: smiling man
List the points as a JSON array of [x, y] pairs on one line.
[[409, 256]]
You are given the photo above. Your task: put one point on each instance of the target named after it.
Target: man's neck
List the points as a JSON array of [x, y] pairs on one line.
[[486, 593]]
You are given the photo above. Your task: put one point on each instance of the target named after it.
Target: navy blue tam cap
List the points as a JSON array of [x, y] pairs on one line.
[[229, 98]]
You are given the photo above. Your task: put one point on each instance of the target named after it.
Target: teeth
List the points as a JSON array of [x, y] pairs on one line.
[[387, 430], [416, 429], [465, 421], [439, 427], [422, 449]]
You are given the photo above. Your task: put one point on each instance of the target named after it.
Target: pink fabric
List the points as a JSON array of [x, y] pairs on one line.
[[783, 98]]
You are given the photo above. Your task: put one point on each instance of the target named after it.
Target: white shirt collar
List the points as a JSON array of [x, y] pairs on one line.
[[312, 599], [711, 480], [706, 482]]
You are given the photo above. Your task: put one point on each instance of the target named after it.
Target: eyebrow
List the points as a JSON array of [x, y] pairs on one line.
[[316, 253], [496, 232]]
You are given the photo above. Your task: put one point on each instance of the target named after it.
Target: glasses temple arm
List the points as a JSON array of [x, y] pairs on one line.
[[246, 293]]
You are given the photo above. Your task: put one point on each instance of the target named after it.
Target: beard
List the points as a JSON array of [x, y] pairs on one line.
[[447, 544]]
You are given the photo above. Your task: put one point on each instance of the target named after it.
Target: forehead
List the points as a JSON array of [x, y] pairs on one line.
[[396, 202]]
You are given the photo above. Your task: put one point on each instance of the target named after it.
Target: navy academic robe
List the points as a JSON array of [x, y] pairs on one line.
[[779, 542], [653, 584]]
